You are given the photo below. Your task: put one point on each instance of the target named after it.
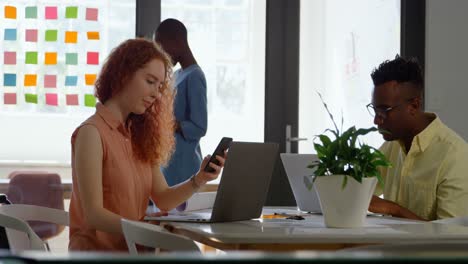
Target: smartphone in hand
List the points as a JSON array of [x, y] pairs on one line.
[[222, 146]]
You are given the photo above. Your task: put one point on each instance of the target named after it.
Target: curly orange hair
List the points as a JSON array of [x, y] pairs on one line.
[[152, 132]]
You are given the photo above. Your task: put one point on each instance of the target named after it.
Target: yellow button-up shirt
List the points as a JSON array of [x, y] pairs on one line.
[[431, 180]]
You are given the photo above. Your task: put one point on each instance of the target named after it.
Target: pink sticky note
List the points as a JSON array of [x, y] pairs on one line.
[[72, 99], [92, 14], [9, 98], [51, 99], [93, 58], [31, 35], [51, 12], [50, 81], [9, 57]]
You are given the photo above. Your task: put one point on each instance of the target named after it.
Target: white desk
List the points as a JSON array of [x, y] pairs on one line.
[[311, 233]]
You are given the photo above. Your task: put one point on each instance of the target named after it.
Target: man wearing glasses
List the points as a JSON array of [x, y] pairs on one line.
[[429, 176]]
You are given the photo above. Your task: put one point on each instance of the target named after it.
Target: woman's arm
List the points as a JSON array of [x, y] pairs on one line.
[[166, 198], [88, 168]]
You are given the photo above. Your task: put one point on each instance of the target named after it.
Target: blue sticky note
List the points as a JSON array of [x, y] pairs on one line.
[[71, 80], [9, 79], [10, 34]]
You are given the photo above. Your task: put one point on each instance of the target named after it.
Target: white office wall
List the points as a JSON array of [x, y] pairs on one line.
[[447, 62]]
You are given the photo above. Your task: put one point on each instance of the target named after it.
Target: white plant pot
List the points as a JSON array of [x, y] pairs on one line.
[[344, 207]]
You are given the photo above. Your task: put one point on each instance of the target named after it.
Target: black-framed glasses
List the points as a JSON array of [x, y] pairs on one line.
[[382, 112]]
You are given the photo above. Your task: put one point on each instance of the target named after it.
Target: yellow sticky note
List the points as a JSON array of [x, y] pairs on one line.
[[94, 35], [10, 12], [90, 79], [71, 37], [30, 79], [50, 58]]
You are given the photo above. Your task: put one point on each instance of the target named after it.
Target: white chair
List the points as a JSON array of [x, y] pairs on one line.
[[155, 237], [21, 238]]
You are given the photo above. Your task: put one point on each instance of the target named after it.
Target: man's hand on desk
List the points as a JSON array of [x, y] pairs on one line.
[[386, 207]]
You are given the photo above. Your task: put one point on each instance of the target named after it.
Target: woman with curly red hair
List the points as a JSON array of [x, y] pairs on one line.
[[118, 151]]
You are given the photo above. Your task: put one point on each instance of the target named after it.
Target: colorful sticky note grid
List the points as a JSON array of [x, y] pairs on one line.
[[31, 12], [72, 99], [30, 98], [92, 14], [71, 37], [9, 57], [30, 80], [51, 35], [90, 79], [31, 35], [71, 58], [31, 57], [71, 12], [92, 58], [10, 12], [50, 81], [9, 79], [10, 34], [93, 35], [90, 100], [51, 99], [9, 98], [71, 80], [50, 58], [51, 12]]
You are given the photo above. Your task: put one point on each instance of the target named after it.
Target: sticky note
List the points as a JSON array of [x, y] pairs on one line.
[[31, 12], [9, 98], [31, 57], [71, 12], [51, 99], [90, 79], [30, 98], [71, 58], [50, 58], [10, 34], [51, 35], [50, 81], [93, 35], [72, 99], [51, 12], [31, 35], [71, 80], [9, 79], [71, 37], [30, 80], [90, 100], [92, 14], [9, 57], [10, 12], [92, 58]]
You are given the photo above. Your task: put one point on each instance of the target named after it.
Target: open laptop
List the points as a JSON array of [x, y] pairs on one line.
[[295, 166], [243, 188]]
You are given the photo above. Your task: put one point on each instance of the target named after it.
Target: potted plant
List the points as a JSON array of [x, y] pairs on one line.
[[346, 174]]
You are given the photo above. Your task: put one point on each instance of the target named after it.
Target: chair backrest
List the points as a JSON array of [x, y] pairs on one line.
[[41, 189], [154, 236], [10, 222], [21, 239]]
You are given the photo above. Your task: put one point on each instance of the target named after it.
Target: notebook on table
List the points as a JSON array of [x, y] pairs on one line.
[[243, 188]]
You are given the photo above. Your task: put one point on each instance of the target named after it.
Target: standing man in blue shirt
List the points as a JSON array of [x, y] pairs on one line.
[[190, 107]]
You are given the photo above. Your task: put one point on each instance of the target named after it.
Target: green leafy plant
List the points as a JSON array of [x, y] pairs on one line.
[[345, 155]]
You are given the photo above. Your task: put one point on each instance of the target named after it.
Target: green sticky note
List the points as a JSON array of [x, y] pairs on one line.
[[31, 98], [31, 57], [71, 58], [51, 35], [31, 12], [90, 100], [71, 12]]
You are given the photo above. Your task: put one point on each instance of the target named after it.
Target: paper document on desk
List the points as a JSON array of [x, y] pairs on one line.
[[198, 201]]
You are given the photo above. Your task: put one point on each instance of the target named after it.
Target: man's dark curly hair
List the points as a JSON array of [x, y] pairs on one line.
[[400, 70]]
